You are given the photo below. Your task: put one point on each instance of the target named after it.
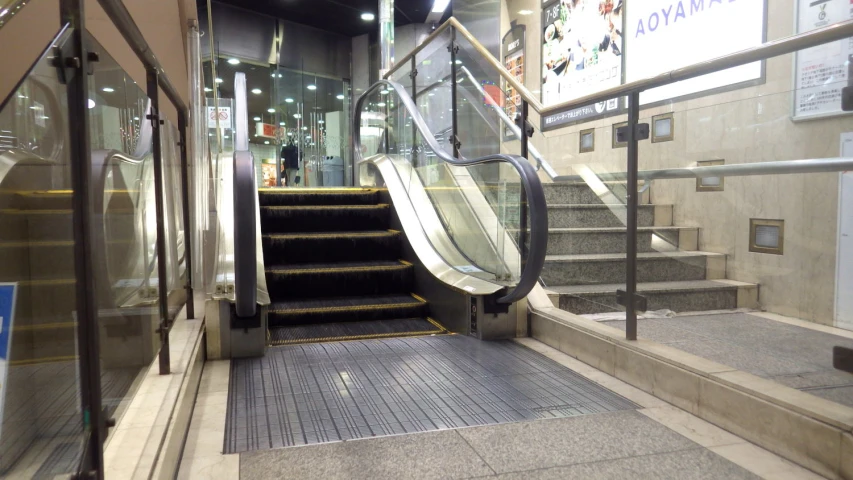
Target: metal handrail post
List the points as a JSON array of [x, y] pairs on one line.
[[75, 61], [185, 201], [162, 287], [633, 206]]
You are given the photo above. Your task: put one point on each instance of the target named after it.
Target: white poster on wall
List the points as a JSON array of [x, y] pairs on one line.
[[664, 35], [821, 72]]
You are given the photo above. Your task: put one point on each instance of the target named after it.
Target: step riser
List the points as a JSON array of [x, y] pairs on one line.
[[38, 262], [612, 272], [295, 286], [723, 299], [596, 217], [280, 320], [336, 249], [324, 220], [585, 243], [270, 199]]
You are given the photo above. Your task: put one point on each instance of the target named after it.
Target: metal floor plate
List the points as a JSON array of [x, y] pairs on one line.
[[317, 393]]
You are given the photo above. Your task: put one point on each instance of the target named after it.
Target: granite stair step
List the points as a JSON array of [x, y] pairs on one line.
[[596, 269], [574, 241], [692, 296], [606, 215]]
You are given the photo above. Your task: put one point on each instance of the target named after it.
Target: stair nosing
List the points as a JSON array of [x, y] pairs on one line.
[[376, 206], [416, 301], [368, 233], [608, 257], [669, 287], [295, 270]]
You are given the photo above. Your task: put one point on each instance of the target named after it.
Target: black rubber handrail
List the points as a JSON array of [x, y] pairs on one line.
[[245, 239], [529, 180]]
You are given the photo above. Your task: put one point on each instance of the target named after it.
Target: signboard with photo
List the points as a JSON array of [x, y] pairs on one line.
[[514, 61], [821, 72], [582, 49]]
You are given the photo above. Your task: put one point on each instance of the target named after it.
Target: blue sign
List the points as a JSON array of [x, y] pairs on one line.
[[7, 312]]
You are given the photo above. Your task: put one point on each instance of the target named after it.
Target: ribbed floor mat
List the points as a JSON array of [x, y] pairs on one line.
[[354, 331], [328, 392]]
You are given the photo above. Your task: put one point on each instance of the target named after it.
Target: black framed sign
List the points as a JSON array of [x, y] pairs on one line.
[[513, 48], [582, 49]]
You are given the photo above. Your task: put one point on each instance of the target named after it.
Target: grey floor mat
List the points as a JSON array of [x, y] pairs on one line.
[[316, 393]]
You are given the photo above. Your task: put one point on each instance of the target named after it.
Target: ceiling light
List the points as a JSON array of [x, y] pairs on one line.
[[272, 75], [208, 89], [266, 142], [525, 12], [271, 110], [304, 128], [257, 119], [136, 118], [368, 17], [439, 6], [108, 89], [289, 134], [311, 87], [296, 115], [340, 97], [383, 92], [256, 91], [91, 103], [431, 94], [380, 104], [281, 124], [233, 61], [321, 122], [22, 96], [288, 100], [218, 80]]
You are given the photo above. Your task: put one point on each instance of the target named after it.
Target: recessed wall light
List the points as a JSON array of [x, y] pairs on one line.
[[256, 91], [368, 17], [233, 61]]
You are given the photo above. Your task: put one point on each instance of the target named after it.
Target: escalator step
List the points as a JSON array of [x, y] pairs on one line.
[[332, 279], [346, 309], [324, 218], [335, 332], [302, 248], [325, 196]]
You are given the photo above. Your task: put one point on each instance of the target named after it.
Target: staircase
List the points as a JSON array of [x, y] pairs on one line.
[[334, 269], [586, 258]]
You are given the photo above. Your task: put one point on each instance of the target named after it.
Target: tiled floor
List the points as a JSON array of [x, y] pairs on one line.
[[794, 354], [328, 392], [656, 441]]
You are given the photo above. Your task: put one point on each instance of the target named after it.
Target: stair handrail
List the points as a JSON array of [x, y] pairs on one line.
[[773, 48], [245, 208], [529, 179]]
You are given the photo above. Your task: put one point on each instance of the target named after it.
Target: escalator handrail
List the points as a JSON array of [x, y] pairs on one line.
[[529, 179], [245, 240]]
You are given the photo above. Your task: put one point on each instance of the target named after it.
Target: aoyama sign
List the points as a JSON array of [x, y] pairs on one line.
[[664, 35]]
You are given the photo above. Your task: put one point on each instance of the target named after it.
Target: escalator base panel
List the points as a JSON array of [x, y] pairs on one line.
[[338, 391], [335, 332]]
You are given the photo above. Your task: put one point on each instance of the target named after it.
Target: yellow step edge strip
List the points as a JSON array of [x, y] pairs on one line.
[[281, 343], [332, 235], [327, 207], [437, 325], [45, 326], [327, 191], [376, 268], [38, 361], [355, 308], [419, 298]]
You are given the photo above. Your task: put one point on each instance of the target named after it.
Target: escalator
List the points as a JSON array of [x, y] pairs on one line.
[[406, 254]]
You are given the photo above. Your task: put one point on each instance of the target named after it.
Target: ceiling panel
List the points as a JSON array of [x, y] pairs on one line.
[[339, 16]]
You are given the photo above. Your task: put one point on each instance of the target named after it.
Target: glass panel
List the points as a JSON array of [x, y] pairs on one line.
[[126, 279], [42, 432]]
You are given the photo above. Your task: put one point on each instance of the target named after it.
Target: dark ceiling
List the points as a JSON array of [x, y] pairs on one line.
[[339, 16]]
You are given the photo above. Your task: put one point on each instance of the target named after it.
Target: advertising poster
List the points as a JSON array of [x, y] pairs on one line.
[[7, 310], [821, 72], [582, 47], [514, 61], [664, 35]]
